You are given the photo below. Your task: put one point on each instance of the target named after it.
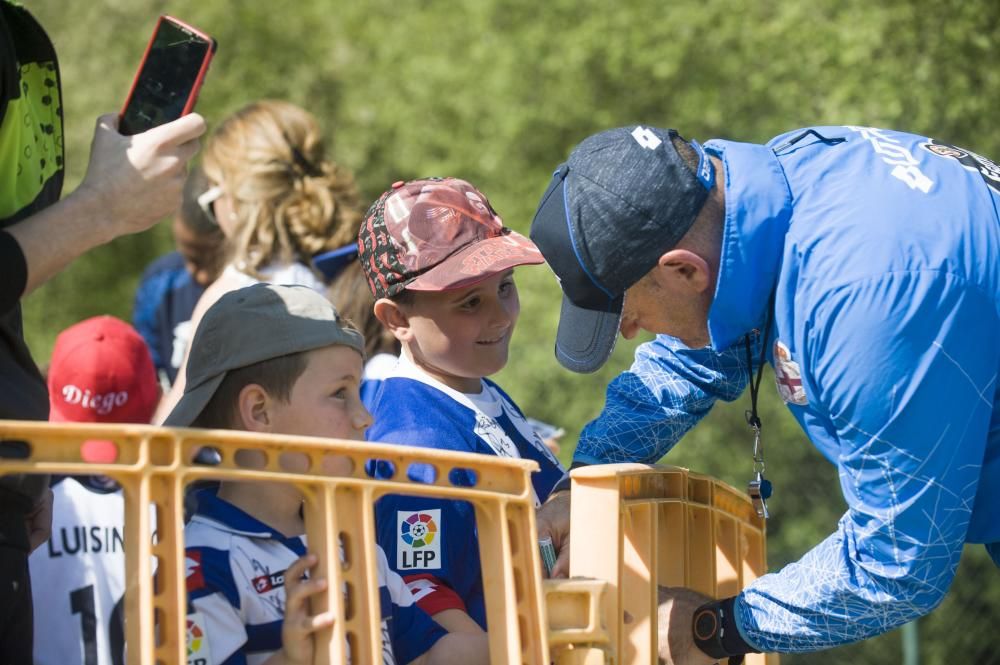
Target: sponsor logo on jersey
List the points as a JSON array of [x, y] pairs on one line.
[[419, 542], [987, 169], [197, 642], [905, 166], [788, 376], [192, 571], [269, 582]]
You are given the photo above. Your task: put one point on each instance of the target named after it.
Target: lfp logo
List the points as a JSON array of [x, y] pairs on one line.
[[197, 643], [418, 530], [419, 543]]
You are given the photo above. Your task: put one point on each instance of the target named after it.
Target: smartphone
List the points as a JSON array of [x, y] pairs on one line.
[[169, 77]]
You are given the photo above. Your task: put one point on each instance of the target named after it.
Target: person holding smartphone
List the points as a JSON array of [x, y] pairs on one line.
[[131, 182]]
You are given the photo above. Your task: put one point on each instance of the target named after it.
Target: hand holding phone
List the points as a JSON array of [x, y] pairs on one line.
[[169, 77]]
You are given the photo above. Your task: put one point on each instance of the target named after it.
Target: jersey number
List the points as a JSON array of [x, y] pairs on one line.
[[81, 601]]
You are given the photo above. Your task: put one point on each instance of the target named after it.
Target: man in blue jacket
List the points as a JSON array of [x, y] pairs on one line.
[[864, 265]]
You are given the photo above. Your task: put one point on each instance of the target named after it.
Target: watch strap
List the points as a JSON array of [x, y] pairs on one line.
[[715, 633]]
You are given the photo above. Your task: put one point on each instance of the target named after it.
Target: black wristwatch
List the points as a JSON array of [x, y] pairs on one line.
[[715, 632]]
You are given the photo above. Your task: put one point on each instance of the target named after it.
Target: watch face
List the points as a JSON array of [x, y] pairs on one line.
[[706, 624]]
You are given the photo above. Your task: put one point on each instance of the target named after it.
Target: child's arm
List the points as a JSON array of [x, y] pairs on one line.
[[298, 627], [431, 543], [457, 648], [457, 621]]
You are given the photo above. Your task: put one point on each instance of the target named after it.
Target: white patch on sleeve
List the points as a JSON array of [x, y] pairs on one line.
[[421, 588], [788, 376], [418, 536]]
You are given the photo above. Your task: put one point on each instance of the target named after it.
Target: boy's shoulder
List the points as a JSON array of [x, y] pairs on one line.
[[410, 410], [224, 546]]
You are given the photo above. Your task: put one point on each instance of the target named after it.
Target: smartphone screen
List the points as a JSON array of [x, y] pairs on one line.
[[167, 78]]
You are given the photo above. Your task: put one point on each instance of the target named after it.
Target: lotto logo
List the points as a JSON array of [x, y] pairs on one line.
[[266, 583], [419, 542], [192, 565], [646, 138]]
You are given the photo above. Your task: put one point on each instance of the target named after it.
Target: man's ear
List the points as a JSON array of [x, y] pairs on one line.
[[395, 320], [683, 270], [254, 406]]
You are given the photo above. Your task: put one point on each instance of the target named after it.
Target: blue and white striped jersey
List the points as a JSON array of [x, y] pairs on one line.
[[236, 597]]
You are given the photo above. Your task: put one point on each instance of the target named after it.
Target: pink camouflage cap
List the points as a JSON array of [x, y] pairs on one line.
[[436, 234]]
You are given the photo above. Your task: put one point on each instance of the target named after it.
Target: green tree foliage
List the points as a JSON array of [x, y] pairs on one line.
[[498, 92]]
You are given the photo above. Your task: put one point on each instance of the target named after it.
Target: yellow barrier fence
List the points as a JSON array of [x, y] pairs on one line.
[[634, 527], [638, 527], [154, 465]]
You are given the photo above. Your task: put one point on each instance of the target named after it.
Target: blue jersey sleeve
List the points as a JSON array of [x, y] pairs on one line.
[[413, 632], [432, 545], [907, 386], [668, 389], [216, 632]]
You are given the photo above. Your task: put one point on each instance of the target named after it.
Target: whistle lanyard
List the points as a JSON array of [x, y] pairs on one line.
[[759, 488]]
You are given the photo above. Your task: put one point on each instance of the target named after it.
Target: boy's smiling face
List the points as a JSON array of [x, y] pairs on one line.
[[460, 336]]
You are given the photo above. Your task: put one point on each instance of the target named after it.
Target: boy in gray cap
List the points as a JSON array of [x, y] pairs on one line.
[[279, 360]]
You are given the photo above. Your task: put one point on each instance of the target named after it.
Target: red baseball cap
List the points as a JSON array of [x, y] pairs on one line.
[[436, 234], [101, 372]]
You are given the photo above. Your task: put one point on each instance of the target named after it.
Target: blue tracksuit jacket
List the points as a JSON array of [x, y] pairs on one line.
[[882, 252]]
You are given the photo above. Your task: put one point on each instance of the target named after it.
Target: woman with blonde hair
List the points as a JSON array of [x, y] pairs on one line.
[[278, 199]]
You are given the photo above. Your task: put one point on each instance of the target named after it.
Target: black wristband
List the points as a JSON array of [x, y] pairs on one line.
[[15, 271], [715, 632]]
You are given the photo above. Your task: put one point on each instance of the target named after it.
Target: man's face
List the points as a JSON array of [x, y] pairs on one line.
[[651, 307], [463, 335], [202, 254]]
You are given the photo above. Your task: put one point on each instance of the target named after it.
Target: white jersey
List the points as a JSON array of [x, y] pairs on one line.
[[236, 596], [78, 579]]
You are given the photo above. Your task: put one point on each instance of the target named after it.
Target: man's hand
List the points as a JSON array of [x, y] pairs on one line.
[[552, 520], [139, 179], [39, 521], [674, 617], [297, 639], [131, 182]]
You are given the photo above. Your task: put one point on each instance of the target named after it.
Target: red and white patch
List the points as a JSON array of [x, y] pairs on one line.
[[192, 570], [788, 376]]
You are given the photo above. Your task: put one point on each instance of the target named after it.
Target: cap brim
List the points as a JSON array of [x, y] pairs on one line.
[[477, 262], [587, 337], [193, 403]]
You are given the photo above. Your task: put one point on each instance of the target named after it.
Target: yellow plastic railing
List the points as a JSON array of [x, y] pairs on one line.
[[154, 465], [637, 527], [634, 527]]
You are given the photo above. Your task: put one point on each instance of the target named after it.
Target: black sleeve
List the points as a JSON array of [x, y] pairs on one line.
[[15, 272]]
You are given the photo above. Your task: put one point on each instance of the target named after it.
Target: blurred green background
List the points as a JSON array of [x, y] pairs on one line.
[[498, 92]]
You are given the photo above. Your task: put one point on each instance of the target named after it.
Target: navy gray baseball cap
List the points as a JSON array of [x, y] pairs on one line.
[[623, 198], [251, 325]]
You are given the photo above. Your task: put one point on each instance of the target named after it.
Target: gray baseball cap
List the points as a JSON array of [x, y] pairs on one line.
[[623, 198], [251, 325]]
